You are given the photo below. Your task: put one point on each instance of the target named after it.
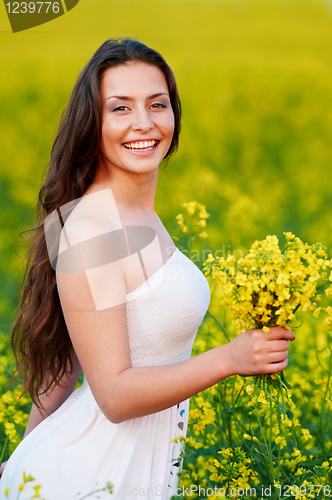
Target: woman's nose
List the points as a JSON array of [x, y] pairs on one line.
[[142, 121]]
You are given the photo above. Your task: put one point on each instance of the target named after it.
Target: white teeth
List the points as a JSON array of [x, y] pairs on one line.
[[139, 146]]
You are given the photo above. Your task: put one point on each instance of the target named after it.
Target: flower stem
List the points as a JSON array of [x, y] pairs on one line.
[[270, 451], [4, 448]]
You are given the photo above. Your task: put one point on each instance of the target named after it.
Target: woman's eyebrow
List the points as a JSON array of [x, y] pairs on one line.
[[127, 98]]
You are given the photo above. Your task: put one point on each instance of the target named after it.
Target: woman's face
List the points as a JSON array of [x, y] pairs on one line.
[[138, 119]]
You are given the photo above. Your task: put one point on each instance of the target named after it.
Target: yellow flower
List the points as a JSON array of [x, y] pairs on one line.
[[242, 482], [190, 441], [246, 436], [203, 234], [204, 215], [281, 441], [316, 312], [289, 235], [214, 390], [266, 329], [285, 420], [37, 488], [180, 220], [27, 478], [191, 207], [261, 398], [226, 452], [306, 434], [209, 259], [269, 283], [249, 389]]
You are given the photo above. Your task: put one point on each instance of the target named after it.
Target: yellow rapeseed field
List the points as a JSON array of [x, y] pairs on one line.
[[255, 79]]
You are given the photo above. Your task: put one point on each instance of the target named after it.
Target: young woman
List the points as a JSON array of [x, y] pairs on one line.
[[108, 293]]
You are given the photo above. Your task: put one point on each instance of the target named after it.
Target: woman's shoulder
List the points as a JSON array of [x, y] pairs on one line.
[[90, 224], [92, 215]]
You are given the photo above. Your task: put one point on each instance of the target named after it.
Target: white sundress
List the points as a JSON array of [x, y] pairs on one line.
[[77, 450]]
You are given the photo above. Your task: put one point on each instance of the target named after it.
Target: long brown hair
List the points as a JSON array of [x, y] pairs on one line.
[[40, 340]]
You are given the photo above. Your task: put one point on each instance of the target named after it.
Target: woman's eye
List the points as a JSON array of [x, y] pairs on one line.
[[120, 108], [158, 105]]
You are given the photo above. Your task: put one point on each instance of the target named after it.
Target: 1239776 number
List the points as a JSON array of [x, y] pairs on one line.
[[32, 7], [305, 489]]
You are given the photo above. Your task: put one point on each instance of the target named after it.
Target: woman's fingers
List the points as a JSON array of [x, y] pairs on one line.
[[272, 349], [276, 357], [278, 332], [279, 345], [255, 351], [277, 366]]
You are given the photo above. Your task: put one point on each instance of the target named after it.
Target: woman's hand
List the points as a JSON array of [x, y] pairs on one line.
[[3, 465], [256, 352]]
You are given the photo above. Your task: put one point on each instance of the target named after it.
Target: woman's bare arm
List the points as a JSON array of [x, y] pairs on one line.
[[144, 390], [123, 392]]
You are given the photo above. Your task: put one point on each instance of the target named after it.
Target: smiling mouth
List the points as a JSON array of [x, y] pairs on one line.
[[141, 145]]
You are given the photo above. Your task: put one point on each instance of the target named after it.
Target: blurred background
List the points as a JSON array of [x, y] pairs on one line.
[[255, 78]]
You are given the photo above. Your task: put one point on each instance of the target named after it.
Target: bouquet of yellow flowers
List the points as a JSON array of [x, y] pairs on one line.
[[267, 286]]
